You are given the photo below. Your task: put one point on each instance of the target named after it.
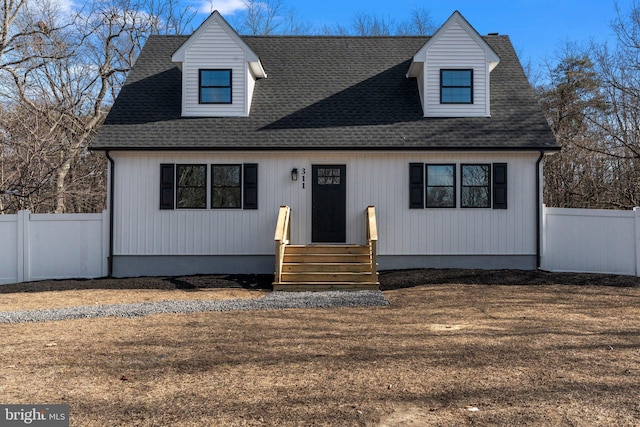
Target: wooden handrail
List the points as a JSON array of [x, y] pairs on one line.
[[372, 226], [283, 229], [372, 240]]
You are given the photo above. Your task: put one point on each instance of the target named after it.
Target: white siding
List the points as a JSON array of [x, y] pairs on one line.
[[214, 49], [379, 179], [456, 49]]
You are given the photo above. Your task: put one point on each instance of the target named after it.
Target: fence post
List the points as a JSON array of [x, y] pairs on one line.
[[105, 243], [23, 246], [543, 238], [636, 212]]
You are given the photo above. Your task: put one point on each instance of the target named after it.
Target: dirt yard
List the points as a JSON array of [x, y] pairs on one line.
[[453, 348]]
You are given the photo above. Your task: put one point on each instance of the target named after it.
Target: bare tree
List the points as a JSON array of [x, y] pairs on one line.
[[419, 23], [59, 79], [168, 16], [593, 107], [571, 97], [371, 25], [265, 17]]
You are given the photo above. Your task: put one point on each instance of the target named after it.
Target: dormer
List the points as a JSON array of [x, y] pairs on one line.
[[452, 71], [219, 71]]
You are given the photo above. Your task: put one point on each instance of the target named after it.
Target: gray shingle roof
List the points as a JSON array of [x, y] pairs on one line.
[[323, 93]]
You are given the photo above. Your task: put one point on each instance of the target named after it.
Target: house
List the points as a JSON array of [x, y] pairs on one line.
[[212, 133]]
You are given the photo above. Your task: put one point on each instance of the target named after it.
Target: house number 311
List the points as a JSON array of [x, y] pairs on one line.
[[304, 172]]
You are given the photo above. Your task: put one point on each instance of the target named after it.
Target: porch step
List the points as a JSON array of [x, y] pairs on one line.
[[326, 277], [325, 286], [325, 258], [327, 249], [325, 267]]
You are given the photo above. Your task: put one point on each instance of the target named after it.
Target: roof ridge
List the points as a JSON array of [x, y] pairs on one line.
[[332, 36]]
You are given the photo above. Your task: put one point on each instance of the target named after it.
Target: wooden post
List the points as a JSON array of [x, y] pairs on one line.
[[372, 240], [281, 238]]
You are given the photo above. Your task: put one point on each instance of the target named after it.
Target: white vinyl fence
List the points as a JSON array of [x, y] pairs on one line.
[[64, 246], [591, 241], [53, 246]]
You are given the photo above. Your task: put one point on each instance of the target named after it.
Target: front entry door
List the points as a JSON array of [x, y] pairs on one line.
[[329, 203]]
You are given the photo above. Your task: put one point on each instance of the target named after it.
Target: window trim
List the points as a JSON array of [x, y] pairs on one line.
[[240, 186], [470, 87], [488, 186], [178, 186], [454, 185], [200, 86]]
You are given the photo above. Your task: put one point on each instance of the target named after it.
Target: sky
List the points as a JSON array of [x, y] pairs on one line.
[[537, 28]]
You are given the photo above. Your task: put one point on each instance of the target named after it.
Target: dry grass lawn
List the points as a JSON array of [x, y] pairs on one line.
[[440, 354]]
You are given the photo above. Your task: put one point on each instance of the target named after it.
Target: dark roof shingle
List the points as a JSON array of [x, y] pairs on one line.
[[323, 93]]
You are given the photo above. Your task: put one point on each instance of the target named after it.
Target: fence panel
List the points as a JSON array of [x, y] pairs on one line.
[[53, 246], [9, 249], [64, 246], [590, 240]]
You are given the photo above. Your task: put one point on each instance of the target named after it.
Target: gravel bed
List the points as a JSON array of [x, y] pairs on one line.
[[272, 301]]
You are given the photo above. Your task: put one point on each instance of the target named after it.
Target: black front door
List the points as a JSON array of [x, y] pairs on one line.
[[329, 203]]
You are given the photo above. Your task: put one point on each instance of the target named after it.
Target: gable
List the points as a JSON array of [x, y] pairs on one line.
[[216, 47], [455, 46]]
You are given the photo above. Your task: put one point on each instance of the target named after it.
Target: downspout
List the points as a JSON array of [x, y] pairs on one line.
[[112, 163], [538, 212]]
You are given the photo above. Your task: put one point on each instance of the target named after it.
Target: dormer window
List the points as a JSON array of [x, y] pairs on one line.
[[456, 86], [219, 71], [215, 87]]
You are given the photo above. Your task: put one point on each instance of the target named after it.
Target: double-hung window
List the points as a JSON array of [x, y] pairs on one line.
[[441, 186], [475, 190], [456, 86], [191, 188], [225, 186], [215, 87]]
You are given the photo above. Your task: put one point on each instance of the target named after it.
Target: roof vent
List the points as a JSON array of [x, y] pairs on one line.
[[492, 34]]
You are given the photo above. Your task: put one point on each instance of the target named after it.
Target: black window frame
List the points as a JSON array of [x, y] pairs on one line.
[[200, 86], [452, 186], [178, 187], [443, 87], [239, 186], [487, 186]]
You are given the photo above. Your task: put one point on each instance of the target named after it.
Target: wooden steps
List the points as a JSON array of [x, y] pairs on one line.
[[329, 286], [326, 267]]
